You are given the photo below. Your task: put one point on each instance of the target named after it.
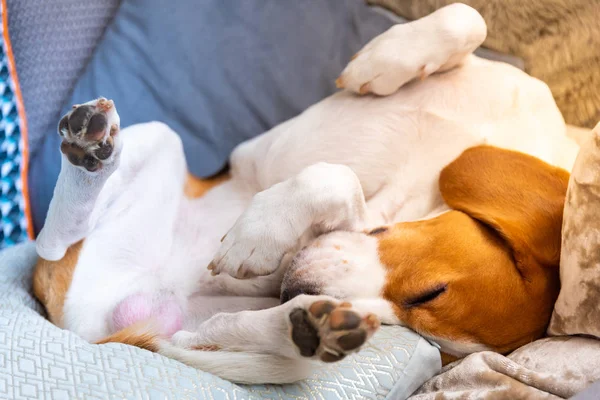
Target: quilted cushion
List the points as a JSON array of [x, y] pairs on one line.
[[577, 310], [41, 361], [217, 71], [52, 42]]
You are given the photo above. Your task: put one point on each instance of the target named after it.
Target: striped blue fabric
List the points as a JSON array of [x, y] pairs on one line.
[[13, 222]]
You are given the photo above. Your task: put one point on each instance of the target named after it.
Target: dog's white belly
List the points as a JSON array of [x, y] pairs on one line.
[[397, 144], [159, 245]]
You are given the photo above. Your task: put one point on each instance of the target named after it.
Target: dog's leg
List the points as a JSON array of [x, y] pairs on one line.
[[128, 236], [322, 198], [435, 43], [313, 327], [90, 154]]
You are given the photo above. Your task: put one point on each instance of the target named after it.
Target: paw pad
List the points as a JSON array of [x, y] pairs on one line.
[[329, 331], [88, 132]]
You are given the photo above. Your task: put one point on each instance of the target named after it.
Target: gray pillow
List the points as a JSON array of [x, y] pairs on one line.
[[217, 71]]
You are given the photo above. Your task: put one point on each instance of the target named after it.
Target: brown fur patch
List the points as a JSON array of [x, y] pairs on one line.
[[141, 334], [518, 195], [497, 252], [447, 359], [51, 281], [207, 347], [197, 187]]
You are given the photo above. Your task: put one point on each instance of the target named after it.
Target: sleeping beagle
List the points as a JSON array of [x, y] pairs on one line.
[[386, 208]]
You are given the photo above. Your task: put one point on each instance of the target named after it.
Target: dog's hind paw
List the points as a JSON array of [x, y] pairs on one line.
[[330, 331], [406, 52], [90, 134]]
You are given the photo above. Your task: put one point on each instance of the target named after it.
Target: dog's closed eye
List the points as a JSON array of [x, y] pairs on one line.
[[426, 297]]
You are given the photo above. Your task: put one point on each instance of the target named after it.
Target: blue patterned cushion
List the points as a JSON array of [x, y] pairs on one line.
[[41, 361], [13, 221]]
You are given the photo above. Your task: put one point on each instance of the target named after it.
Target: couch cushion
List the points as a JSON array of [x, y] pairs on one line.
[[52, 42], [218, 72]]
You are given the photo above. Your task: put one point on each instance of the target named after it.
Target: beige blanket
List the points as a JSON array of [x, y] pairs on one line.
[[559, 40], [552, 368]]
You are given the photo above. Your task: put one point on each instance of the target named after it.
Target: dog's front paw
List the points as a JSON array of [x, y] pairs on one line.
[[257, 242], [90, 134], [329, 331]]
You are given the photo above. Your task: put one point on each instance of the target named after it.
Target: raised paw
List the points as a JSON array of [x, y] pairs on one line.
[[256, 244], [405, 52], [330, 331], [89, 132], [383, 66]]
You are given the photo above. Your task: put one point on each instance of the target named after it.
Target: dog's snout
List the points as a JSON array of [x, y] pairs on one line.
[[288, 294]]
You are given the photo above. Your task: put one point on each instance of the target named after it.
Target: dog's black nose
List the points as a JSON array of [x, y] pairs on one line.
[[289, 293]]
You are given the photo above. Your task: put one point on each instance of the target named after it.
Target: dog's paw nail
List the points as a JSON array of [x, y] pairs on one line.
[[365, 88], [210, 266], [104, 104], [372, 321], [339, 83], [114, 129], [244, 273]]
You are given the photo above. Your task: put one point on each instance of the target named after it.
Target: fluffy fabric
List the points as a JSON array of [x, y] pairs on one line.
[[551, 368], [576, 310], [559, 40]]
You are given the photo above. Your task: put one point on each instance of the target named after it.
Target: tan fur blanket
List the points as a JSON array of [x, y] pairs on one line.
[[553, 368], [559, 41]]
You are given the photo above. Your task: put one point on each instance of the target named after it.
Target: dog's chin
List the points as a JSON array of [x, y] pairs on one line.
[[297, 279]]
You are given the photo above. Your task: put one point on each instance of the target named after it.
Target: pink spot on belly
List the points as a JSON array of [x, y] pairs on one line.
[[163, 309]]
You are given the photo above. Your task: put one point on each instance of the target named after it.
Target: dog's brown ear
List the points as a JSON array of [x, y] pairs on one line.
[[518, 195]]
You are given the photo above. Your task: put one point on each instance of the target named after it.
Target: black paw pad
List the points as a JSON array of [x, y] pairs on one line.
[[320, 308], [104, 150], [96, 126], [304, 335], [352, 340], [79, 118], [329, 358], [341, 319], [90, 163]]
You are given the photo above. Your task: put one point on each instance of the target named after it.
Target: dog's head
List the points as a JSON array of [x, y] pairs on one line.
[[481, 276]]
